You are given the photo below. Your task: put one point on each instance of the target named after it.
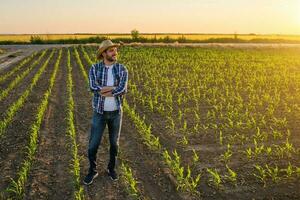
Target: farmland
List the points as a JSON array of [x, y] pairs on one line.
[[189, 36], [199, 123]]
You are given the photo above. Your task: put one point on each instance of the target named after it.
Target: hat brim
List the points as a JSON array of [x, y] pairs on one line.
[[100, 50]]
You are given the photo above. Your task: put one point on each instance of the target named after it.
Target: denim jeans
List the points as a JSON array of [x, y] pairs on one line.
[[113, 119]]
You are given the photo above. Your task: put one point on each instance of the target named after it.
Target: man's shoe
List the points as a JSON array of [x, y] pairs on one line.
[[90, 177], [112, 174]]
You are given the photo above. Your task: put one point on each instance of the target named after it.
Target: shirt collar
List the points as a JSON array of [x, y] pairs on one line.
[[102, 64]]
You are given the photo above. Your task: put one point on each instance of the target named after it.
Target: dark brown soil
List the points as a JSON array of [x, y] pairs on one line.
[[102, 187], [209, 152], [15, 93], [51, 169], [16, 138], [4, 71], [50, 176]]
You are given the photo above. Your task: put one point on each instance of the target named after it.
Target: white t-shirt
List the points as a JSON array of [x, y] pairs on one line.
[[110, 102]]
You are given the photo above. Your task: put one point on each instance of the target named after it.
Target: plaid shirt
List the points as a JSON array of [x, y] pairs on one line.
[[98, 79]]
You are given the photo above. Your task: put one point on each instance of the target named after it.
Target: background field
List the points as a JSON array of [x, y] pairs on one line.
[[199, 123], [199, 37]]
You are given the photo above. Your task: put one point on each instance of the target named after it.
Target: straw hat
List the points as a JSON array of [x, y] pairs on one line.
[[105, 44]]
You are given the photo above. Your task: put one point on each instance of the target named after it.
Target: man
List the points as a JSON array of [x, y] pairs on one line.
[[108, 81]]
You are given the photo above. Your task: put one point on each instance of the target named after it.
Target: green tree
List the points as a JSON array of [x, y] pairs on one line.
[[135, 34]]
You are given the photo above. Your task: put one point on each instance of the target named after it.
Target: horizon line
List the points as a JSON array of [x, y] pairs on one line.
[[153, 33]]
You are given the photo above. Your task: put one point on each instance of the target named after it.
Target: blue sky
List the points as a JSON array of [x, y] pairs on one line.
[[121, 16]]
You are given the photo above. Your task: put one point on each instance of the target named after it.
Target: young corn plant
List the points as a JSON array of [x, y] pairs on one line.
[[78, 193], [288, 171], [262, 174], [195, 156], [16, 68], [289, 148], [273, 172], [20, 77], [185, 181], [130, 182], [221, 137], [227, 154], [12, 110], [232, 175], [215, 177], [258, 149], [82, 69], [249, 153], [269, 151], [171, 124], [279, 151], [149, 139], [183, 141], [16, 187]]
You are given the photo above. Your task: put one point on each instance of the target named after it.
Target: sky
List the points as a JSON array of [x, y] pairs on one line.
[[150, 16]]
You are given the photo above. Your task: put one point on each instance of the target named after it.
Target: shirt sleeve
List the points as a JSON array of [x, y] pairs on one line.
[[122, 87], [94, 86]]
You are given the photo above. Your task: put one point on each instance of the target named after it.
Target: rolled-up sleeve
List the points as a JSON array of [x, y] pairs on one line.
[[94, 86]]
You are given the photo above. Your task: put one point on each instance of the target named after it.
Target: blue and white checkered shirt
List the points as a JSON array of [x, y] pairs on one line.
[[98, 79]]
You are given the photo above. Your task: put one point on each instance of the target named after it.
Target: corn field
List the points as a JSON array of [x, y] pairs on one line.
[[198, 123]]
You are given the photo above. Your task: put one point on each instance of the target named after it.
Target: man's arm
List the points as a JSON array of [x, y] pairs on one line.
[[106, 91], [122, 87], [94, 86]]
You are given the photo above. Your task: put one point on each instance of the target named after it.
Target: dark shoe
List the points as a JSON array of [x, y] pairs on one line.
[[112, 174], [90, 177]]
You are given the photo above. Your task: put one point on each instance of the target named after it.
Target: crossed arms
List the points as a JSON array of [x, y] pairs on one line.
[[109, 91]]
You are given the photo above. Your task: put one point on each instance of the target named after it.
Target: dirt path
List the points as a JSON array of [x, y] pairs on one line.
[[7, 70], [50, 176], [15, 139], [14, 53]]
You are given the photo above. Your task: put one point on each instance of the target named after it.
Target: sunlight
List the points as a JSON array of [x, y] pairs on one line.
[[298, 13]]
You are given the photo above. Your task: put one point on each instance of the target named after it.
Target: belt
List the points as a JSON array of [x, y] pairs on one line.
[[114, 111]]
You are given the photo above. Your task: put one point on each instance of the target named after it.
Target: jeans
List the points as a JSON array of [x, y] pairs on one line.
[[113, 119]]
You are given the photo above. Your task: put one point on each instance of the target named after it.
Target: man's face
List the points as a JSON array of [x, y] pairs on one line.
[[111, 54]]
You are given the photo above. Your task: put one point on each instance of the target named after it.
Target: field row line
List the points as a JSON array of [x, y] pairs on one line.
[[11, 111], [78, 194], [17, 187], [184, 182], [16, 68], [20, 77], [128, 179]]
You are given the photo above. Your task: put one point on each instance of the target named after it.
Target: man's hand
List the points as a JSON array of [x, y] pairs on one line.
[[107, 94], [106, 91]]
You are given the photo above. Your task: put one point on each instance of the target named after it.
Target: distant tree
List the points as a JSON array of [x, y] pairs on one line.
[[167, 39], [235, 36], [36, 39], [182, 39], [135, 34]]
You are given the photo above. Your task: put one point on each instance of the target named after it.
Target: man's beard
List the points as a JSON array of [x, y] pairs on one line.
[[111, 59]]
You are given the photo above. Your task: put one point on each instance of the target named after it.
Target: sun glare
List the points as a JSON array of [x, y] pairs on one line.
[[298, 13]]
